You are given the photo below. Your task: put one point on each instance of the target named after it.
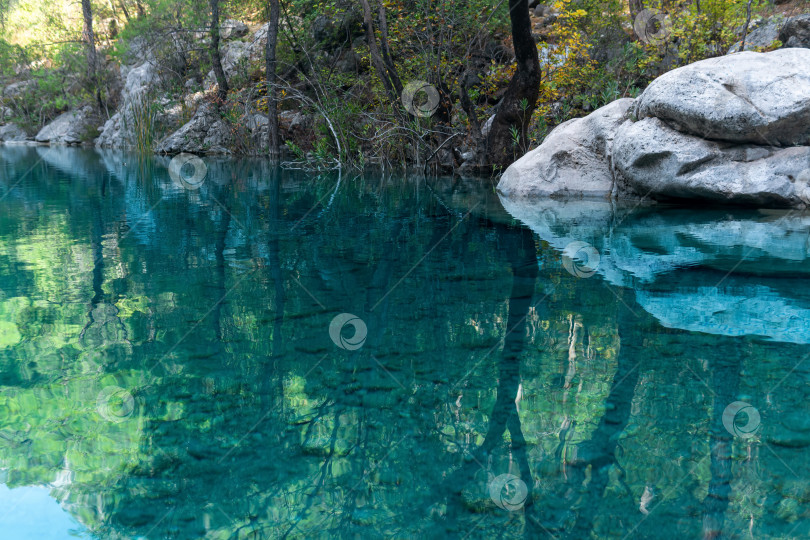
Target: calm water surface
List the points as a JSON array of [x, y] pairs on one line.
[[271, 354]]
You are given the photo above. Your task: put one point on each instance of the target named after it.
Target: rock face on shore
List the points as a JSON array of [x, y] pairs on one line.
[[760, 98], [206, 132], [658, 161], [138, 79], [68, 128], [796, 32], [760, 36], [575, 161], [12, 133], [734, 129]]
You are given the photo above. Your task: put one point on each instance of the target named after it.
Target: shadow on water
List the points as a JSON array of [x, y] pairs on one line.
[[488, 380]]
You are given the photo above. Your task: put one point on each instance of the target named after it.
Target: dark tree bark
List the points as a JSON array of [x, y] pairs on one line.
[[636, 7], [216, 60], [5, 7], [221, 246], [274, 260], [124, 8], [272, 93], [386, 50], [90, 40], [469, 108], [747, 23], [386, 73], [519, 101], [599, 452], [518, 245]]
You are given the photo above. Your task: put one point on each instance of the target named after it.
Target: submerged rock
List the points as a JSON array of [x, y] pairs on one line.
[[573, 161], [789, 439]]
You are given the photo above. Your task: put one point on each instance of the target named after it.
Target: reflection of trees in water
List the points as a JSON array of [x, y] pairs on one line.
[[596, 454], [599, 452], [340, 442], [724, 383], [518, 246]]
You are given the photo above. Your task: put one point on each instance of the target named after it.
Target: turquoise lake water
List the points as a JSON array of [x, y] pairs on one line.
[[219, 349]]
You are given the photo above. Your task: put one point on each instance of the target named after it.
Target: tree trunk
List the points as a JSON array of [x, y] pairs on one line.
[[386, 51], [90, 39], [469, 108], [376, 57], [216, 61], [636, 7], [272, 94], [747, 23], [125, 10], [519, 101]]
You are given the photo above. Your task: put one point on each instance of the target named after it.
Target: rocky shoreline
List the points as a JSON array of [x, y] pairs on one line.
[[188, 122], [731, 129]]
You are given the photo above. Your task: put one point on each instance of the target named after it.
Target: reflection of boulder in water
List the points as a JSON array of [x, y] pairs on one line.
[[79, 164], [716, 271], [18, 154], [748, 310]]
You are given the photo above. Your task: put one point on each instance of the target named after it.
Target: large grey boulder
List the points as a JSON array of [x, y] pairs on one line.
[[72, 127], [573, 161], [205, 133], [12, 133], [747, 98], [796, 32], [733, 130], [652, 159]]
